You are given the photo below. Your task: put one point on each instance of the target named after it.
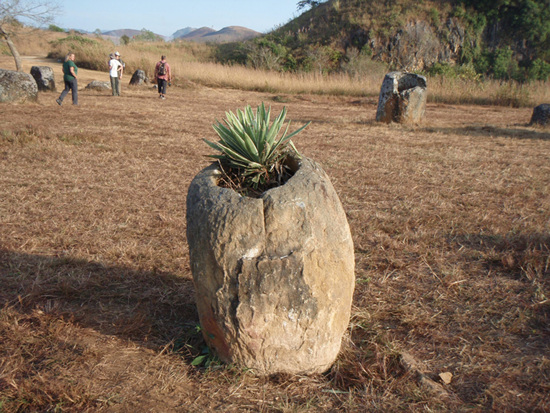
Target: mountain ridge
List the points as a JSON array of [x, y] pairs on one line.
[[201, 35], [224, 35]]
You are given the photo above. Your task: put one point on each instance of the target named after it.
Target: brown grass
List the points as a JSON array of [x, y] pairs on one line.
[[450, 221]]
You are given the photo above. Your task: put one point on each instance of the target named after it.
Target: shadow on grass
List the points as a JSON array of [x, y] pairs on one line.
[[521, 262], [152, 308], [520, 132]]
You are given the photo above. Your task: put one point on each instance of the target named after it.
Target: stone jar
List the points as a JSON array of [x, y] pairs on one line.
[[402, 98], [17, 86], [274, 276], [44, 77], [541, 115]]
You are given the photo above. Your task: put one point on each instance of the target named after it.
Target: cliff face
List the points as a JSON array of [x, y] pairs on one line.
[[417, 45]]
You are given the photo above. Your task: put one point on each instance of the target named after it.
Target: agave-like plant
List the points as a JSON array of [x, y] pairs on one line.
[[252, 148]]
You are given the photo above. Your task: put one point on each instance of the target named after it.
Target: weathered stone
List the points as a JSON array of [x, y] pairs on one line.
[[44, 77], [402, 98], [139, 78], [98, 85], [541, 115], [17, 86], [274, 276]]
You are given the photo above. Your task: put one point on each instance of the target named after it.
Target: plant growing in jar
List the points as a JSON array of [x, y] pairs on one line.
[[253, 151]]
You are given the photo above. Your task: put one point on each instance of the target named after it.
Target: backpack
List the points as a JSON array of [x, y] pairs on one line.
[[162, 69]]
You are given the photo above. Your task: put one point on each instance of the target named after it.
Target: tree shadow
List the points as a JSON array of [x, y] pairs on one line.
[[520, 132], [152, 308], [523, 259]]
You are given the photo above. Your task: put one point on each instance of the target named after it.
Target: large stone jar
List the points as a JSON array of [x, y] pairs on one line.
[[402, 98], [274, 275]]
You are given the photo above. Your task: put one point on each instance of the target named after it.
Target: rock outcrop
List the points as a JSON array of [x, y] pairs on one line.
[[402, 98], [418, 45], [44, 77], [274, 276], [17, 86]]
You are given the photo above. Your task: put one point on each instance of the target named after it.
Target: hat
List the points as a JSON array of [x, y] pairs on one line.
[[117, 54], [111, 56]]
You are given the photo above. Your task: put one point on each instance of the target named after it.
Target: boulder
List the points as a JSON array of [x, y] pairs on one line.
[[44, 77], [402, 98], [98, 85], [541, 115], [17, 86], [274, 276], [139, 78]]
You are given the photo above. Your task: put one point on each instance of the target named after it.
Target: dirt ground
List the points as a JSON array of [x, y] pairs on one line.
[[451, 227]]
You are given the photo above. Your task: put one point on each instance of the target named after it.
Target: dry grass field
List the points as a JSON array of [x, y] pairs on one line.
[[450, 220]]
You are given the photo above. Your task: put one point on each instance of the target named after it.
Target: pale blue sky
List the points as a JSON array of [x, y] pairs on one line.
[[167, 16]]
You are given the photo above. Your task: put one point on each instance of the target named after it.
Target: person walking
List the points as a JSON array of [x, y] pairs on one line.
[[115, 73], [70, 70], [163, 74]]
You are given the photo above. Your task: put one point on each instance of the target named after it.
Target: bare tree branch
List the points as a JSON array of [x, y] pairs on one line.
[[12, 12]]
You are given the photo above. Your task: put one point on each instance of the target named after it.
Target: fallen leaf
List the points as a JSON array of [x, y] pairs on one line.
[[446, 377]]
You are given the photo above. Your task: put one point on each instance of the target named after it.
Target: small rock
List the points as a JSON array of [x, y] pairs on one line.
[[99, 85]]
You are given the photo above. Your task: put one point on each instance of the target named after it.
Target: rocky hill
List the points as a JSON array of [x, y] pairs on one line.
[[501, 38], [183, 32]]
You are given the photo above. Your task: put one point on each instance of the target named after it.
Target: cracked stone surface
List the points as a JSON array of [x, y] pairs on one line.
[[17, 86], [274, 276]]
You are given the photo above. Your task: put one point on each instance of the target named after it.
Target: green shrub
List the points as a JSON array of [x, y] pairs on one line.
[[435, 17], [252, 152], [54, 28], [466, 71], [504, 65], [538, 70]]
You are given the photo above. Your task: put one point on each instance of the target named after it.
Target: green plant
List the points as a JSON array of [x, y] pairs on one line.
[[54, 28], [252, 149]]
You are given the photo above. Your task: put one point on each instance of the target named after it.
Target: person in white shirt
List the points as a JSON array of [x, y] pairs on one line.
[[115, 72]]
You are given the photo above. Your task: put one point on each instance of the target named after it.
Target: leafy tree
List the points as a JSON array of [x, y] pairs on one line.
[[54, 28], [124, 39], [302, 4], [40, 12], [147, 36], [521, 20], [539, 70], [504, 65]]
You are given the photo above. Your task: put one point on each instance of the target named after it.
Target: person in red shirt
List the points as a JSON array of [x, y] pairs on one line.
[[163, 74]]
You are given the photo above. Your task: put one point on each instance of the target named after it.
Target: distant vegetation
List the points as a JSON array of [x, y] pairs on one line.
[[500, 39], [55, 28]]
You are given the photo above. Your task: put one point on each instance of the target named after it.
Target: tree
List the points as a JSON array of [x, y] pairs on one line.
[[11, 11], [302, 4]]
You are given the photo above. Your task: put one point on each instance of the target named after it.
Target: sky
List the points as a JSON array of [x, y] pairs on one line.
[[167, 16]]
